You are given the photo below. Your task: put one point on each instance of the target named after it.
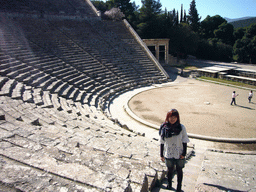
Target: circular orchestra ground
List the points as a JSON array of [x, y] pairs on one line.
[[204, 108]]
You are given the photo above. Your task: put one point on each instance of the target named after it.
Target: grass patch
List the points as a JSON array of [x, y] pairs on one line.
[[185, 66], [190, 67], [234, 83]]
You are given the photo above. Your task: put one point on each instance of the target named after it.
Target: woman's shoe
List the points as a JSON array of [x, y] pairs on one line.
[[178, 188], [169, 186]]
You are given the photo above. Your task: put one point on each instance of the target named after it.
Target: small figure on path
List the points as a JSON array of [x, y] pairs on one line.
[[173, 146], [250, 96], [234, 95]]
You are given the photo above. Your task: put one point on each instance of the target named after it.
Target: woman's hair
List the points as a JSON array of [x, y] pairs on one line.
[[171, 113]]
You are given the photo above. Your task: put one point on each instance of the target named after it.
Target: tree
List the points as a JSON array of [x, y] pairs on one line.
[[239, 33], [193, 18], [185, 17], [150, 9], [181, 13], [225, 33], [214, 50], [251, 31], [149, 12], [184, 40], [209, 24], [241, 50], [245, 49], [253, 50], [127, 8], [100, 5], [166, 24]]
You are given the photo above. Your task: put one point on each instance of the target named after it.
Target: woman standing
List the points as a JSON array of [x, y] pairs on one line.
[[173, 146]]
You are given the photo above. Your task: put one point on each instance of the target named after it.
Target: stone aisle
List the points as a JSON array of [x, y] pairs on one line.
[[214, 170]]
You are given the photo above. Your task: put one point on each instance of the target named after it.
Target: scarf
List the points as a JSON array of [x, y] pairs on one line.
[[167, 130]]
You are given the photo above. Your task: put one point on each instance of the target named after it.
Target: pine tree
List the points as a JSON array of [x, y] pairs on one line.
[[177, 19], [148, 25], [181, 14], [185, 17], [193, 18]]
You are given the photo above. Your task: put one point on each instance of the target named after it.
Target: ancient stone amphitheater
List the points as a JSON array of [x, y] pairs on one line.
[[61, 66]]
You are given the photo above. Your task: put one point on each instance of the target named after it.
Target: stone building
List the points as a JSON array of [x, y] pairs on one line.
[[159, 48]]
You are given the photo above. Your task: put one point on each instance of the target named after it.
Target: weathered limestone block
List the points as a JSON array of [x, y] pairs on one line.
[[4, 134], [17, 176], [4, 145], [8, 126], [136, 187], [23, 142], [25, 131]]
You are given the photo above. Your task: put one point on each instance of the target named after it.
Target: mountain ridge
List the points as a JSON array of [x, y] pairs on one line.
[[241, 22], [237, 19]]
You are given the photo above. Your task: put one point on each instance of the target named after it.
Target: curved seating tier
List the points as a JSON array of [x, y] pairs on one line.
[[57, 79], [55, 135]]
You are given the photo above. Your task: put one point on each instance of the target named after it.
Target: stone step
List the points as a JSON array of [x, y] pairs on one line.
[[7, 88], [18, 90], [191, 172]]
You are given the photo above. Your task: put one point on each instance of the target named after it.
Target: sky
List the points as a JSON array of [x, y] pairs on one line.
[[225, 8]]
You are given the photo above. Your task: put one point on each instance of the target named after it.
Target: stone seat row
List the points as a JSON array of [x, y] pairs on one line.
[[47, 82], [63, 88], [39, 79], [44, 99], [129, 74], [69, 155], [52, 120], [101, 45], [48, 99], [33, 7]]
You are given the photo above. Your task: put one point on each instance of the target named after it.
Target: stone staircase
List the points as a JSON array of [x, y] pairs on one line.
[[210, 169]]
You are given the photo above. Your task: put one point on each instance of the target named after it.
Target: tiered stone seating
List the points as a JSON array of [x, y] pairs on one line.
[[65, 140], [63, 7], [57, 76], [129, 46]]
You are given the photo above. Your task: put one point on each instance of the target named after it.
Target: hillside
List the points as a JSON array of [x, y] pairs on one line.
[[243, 22]]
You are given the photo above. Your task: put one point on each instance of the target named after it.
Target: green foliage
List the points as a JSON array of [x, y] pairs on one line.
[[239, 33], [213, 38], [149, 27], [244, 49], [183, 40], [193, 17], [100, 5], [225, 33], [251, 31], [214, 50], [209, 24], [150, 7], [128, 9]]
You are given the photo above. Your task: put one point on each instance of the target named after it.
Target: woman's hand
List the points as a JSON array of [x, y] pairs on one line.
[[163, 159], [182, 157]]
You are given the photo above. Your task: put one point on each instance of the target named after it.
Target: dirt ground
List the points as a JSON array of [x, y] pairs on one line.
[[204, 108]]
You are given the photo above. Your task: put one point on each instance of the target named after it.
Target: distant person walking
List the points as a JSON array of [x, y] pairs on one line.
[[173, 146], [250, 96], [234, 95]]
